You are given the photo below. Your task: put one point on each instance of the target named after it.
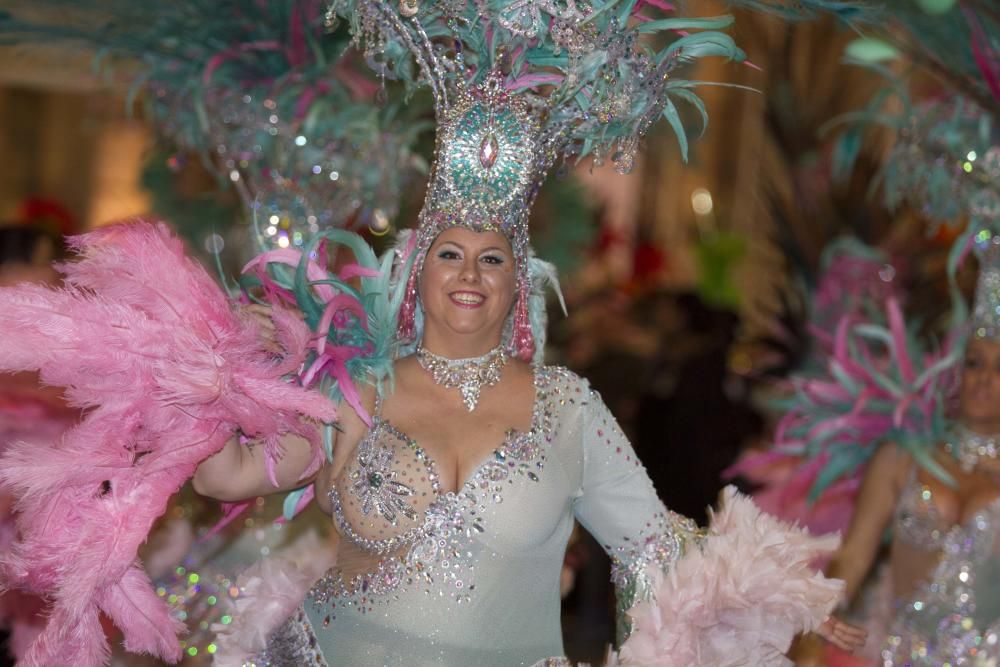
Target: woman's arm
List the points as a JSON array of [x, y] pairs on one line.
[[238, 471], [715, 595], [873, 511]]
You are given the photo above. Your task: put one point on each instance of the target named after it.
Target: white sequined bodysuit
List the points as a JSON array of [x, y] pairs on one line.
[[947, 579], [472, 577]]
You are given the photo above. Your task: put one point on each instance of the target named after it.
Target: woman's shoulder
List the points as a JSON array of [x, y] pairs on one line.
[[891, 463], [567, 385], [560, 375]]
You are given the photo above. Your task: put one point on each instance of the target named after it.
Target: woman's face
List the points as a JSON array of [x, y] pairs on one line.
[[467, 284], [979, 395]]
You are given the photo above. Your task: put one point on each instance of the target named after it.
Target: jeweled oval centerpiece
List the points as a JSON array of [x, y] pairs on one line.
[[487, 148], [488, 151]]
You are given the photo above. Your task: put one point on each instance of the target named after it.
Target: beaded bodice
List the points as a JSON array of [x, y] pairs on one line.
[[402, 528], [383, 498], [429, 577], [946, 577], [383, 495], [918, 521]]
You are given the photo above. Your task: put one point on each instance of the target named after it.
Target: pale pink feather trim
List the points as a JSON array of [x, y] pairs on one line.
[[739, 599], [270, 590]]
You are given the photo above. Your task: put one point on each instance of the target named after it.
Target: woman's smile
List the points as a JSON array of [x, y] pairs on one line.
[[467, 287], [467, 299]]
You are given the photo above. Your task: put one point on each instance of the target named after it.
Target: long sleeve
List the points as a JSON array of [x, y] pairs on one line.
[[732, 595], [618, 505]]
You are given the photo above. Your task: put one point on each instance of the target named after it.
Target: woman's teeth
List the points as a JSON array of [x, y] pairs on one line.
[[468, 299]]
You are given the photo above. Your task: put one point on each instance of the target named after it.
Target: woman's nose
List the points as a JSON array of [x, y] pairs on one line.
[[470, 270]]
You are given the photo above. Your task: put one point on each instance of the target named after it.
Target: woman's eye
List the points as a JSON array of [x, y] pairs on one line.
[[493, 259], [447, 254]]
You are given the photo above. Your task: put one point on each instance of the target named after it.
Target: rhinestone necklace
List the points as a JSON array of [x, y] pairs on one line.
[[969, 448], [468, 375]]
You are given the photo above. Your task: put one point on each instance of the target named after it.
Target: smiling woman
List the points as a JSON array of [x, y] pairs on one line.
[[467, 288], [979, 396], [455, 500]]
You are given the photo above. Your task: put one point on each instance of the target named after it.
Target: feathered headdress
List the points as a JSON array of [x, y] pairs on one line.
[[869, 380], [946, 160], [520, 86], [986, 306]]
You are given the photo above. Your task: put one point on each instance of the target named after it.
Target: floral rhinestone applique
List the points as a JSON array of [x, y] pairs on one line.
[[375, 486], [437, 553]]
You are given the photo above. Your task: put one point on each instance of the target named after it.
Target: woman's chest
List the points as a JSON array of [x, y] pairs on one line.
[[401, 533], [391, 494], [930, 508]]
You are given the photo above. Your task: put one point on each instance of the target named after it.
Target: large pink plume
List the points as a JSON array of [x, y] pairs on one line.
[[28, 413], [166, 370], [737, 599]]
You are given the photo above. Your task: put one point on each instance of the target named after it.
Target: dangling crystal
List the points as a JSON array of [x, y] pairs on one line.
[[330, 19], [489, 150]]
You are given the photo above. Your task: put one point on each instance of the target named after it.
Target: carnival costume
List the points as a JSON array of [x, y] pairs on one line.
[[423, 577], [949, 613], [935, 602], [431, 578], [877, 383]]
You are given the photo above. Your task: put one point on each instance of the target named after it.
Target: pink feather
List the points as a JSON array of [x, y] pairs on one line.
[[736, 599], [270, 591], [146, 342]]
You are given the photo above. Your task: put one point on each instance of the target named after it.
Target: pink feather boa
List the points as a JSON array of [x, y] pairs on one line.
[[270, 591], [739, 599], [150, 347]]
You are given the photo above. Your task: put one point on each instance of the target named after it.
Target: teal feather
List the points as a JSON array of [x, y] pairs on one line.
[[193, 62], [959, 45], [674, 118], [610, 86]]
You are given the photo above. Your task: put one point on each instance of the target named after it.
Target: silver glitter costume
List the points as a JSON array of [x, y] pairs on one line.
[[472, 577], [950, 618]]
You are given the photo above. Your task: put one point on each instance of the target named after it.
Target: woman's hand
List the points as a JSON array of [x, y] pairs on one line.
[[261, 314], [842, 635]]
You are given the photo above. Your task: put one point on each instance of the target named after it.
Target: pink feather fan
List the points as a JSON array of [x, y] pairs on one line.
[[737, 599], [166, 370]]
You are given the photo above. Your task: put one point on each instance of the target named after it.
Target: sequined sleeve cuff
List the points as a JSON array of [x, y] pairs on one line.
[[661, 545]]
